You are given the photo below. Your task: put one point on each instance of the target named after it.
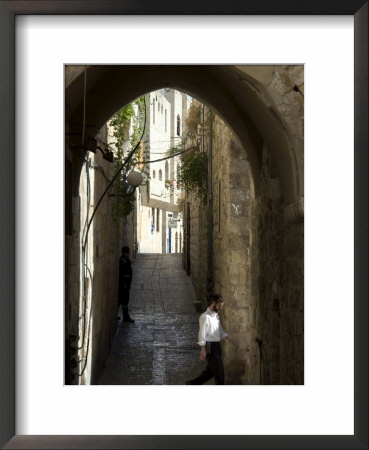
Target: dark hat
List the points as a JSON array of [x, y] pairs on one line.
[[218, 298]]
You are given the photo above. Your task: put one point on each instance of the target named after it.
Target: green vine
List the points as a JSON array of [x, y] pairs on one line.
[[121, 144], [192, 173], [193, 166]]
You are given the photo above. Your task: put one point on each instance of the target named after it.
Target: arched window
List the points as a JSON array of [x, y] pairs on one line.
[[160, 175], [154, 174], [166, 170], [178, 125]]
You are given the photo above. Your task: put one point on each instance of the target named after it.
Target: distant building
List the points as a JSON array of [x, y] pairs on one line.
[[159, 223]]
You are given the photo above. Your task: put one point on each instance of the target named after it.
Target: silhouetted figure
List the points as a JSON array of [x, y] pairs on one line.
[[210, 335], [125, 280]]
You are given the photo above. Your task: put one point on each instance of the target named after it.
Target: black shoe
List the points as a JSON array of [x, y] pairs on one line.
[[128, 319]]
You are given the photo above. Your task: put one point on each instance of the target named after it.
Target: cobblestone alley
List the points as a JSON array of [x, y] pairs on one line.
[[160, 347]]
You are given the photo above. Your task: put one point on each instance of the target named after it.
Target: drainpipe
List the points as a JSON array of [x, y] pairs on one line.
[[209, 182]]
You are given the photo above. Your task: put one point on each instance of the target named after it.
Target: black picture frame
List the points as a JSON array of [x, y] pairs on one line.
[[8, 12]]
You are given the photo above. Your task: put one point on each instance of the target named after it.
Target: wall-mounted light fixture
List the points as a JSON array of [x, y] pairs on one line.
[[133, 179]]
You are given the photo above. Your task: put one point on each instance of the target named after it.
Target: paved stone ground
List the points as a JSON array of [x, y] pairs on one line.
[[160, 347]]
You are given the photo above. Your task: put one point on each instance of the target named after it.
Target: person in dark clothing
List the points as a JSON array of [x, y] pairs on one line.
[[125, 280], [210, 335]]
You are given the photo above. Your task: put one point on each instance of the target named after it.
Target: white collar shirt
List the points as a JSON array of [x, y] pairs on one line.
[[210, 328]]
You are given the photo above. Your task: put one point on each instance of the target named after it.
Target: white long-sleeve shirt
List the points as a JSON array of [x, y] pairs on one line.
[[210, 328]]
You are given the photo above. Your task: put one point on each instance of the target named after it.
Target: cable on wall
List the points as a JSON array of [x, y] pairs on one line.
[[85, 245]]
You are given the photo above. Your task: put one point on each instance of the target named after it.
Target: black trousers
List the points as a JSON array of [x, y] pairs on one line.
[[123, 300], [124, 297], [214, 367]]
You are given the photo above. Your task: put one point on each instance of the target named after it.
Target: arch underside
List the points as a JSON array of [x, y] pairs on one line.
[[247, 110]]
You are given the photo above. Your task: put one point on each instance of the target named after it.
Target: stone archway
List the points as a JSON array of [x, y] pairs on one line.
[[243, 103]]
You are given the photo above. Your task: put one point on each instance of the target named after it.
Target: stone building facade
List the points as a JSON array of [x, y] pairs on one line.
[[159, 224]]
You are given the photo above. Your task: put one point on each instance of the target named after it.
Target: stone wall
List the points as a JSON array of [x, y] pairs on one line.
[[258, 250], [106, 249], [278, 276], [279, 263], [95, 314], [284, 85], [233, 190], [198, 241], [227, 270]]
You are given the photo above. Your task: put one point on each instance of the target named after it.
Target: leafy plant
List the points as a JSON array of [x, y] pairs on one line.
[[193, 172], [192, 175], [193, 120], [131, 115]]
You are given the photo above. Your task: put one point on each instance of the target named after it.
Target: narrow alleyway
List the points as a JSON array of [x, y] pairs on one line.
[[160, 347]]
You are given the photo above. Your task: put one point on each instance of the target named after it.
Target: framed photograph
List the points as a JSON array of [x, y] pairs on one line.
[[317, 401]]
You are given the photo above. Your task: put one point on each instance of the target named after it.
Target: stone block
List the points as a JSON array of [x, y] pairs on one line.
[[242, 274], [238, 320], [238, 257], [240, 195], [296, 73], [232, 271], [237, 242], [236, 209], [235, 149]]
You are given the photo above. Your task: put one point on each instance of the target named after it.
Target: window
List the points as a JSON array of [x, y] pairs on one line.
[[158, 219], [153, 111], [152, 218], [153, 174], [158, 106], [178, 125], [160, 175]]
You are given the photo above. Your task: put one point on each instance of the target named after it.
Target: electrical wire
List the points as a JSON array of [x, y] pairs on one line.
[[195, 147], [85, 240], [87, 160], [85, 256], [115, 176]]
